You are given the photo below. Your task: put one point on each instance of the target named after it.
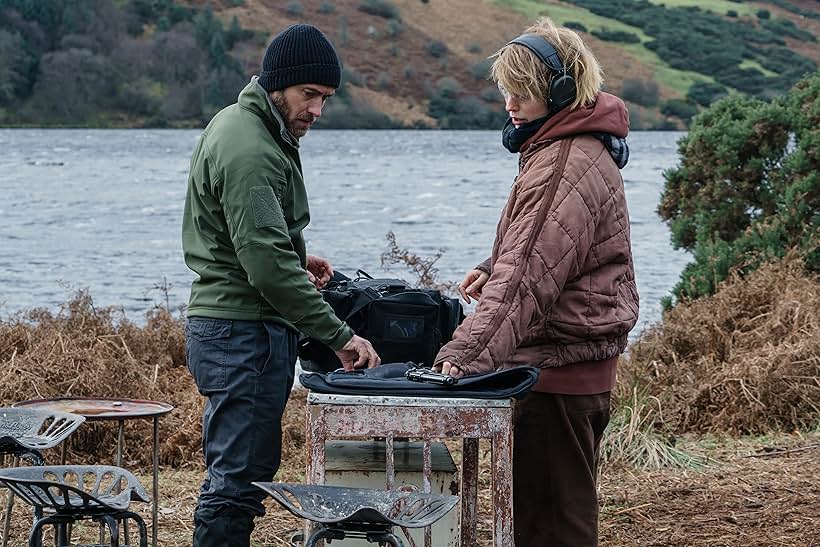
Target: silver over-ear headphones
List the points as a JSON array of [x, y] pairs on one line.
[[563, 89]]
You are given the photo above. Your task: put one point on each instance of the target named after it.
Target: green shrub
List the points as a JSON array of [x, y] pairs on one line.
[[491, 94], [575, 25], [437, 49], [353, 115], [294, 8], [382, 81], [380, 8], [787, 28], [641, 92], [743, 194], [679, 108], [475, 47], [617, 36], [353, 76], [481, 69], [705, 93], [763, 14], [394, 27], [327, 7], [731, 13]]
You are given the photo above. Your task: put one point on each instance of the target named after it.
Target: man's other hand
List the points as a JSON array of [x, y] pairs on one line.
[[472, 284], [319, 271], [358, 353]]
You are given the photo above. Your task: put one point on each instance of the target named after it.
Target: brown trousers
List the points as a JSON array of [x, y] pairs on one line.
[[555, 463]]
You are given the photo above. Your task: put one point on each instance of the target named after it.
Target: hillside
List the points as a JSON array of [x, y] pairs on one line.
[[417, 63]]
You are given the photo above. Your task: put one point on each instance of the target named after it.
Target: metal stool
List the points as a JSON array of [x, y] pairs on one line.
[[359, 512], [25, 433], [71, 493]]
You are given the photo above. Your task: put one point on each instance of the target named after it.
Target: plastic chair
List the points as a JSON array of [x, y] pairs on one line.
[[359, 512], [25, 433], [71, 493]]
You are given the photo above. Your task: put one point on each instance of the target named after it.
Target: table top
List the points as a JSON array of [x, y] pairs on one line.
[[100, 408], [370, 400]]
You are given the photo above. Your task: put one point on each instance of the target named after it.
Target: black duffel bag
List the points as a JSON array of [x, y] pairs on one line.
[[402, 323]]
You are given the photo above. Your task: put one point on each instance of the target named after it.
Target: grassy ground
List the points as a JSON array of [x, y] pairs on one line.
[[754, 491]]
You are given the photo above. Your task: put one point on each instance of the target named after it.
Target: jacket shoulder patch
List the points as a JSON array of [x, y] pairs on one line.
[[266, 209]]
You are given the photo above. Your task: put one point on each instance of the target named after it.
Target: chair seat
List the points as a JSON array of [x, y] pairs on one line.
[[30, 429], [337, 505], [75, 489]]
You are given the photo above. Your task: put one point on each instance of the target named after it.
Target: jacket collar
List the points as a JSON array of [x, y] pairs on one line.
[[607, 114], [255, 99]]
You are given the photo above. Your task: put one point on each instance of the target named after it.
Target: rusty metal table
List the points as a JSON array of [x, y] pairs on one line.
[[333, 416], [104, 408]]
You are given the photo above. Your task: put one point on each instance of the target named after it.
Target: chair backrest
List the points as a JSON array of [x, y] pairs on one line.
[[75, 488], [35, 429]]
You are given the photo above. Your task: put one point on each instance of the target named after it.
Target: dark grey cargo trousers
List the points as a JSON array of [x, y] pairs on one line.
[[245, 369]]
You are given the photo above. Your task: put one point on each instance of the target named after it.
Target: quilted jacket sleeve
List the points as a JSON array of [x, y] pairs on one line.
[[536, 254]]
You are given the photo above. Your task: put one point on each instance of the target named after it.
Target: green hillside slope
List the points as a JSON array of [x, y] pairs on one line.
[[408, 63]]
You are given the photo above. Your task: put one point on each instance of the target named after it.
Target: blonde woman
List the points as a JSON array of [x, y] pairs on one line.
[[559, 290]]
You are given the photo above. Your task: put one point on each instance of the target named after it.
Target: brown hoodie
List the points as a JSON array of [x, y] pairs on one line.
[[562, 285]]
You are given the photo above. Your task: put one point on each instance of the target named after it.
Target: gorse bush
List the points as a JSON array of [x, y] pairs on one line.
[[748, 187]]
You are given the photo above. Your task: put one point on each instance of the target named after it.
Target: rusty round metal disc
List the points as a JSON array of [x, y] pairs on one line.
[[100, 408]]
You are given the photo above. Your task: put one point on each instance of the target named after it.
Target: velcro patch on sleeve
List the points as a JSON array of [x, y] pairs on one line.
[[266, 209]]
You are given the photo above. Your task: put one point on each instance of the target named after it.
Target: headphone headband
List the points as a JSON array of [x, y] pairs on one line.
[[542, 49]]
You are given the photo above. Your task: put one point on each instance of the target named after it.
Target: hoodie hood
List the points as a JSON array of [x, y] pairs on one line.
[[607, 114]]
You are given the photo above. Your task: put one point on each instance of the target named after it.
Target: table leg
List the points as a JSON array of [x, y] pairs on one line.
[[502, 485], [315, 437], [390, 461], [469, 492], [9, 506], [120, 447], [427, 481], [155, 506]]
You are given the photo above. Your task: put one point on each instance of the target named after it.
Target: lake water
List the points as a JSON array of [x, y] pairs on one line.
[[101, 209]]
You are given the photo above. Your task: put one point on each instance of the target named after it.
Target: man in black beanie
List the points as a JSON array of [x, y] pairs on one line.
[[244, 214]]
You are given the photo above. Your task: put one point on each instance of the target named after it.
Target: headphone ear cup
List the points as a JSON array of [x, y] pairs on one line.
[[562, 92]]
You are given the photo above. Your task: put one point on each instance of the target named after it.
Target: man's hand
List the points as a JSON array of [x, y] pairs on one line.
[[319, 271], [449, 369], [472, 284], [358, 353]]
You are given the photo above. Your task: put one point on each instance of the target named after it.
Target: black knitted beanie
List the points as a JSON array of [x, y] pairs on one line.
[[300, 54]]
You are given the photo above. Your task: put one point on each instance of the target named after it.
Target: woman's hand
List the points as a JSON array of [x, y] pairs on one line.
[[449, 369], [472, 284]]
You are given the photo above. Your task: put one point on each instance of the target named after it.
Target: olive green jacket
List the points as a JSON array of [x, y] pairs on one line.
[[245, 210]]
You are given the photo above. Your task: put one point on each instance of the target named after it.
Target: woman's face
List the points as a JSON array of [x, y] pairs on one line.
[[522, 109]]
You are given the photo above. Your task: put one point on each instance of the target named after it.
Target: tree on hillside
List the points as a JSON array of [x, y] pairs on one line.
[[748, 187]]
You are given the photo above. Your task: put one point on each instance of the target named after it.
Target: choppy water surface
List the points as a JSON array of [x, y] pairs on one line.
[[101, 209]]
